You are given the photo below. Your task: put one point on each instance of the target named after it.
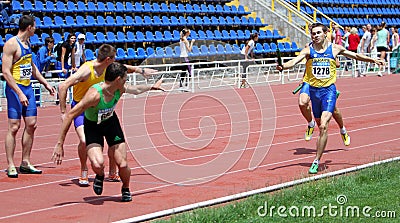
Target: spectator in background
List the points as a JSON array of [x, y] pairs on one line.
[[64, 54], [354, 40], [364, 47], [338, 36], [185, 48], [395, 38], [372, 46], [79, 52], [45, 55], [248, 50], [345, 37], [382, 44]]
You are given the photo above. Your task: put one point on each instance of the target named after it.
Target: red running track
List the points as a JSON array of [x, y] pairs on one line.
[[371, 110]]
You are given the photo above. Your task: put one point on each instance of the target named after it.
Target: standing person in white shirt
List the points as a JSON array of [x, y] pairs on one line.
[[79, 52], [185, 48], [246, 51], [395, 38]]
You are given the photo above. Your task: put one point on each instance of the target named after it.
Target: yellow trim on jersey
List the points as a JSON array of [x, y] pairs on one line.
[[81, 88], [316, 72], [22, 70]]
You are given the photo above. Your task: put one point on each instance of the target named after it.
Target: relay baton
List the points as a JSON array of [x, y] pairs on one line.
[[297, 89]]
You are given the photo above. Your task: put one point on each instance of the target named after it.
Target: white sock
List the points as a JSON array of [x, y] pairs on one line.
[[343, 130], [316, 161], [311, 124]]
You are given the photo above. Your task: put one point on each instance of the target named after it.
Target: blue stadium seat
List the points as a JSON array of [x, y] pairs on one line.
[[202, 35], [164, 7], [121, 37], [71, 7], [48, 22], [140, 37], [156, 8], [198, 20], [204, 50], [81, 7], [131, 54], [229, 21], [196, 8], [176, 35], [214, 21], [177, 51], [120, 21], [273, 47], [111, 7], [227, 9], [147, 21], [120, 7], [159, 53], [173, 8], [90, 38], [158, 36], [189, 8], [195, 51], [8, 36], [193, 35], [28, 7], [219, 9], [91, 7], [129, 21], [80, 21], [217, 34], [130, 37], [101, 21], [174, 21], [57, 37], [282, 48], [267, 48], [140, 53], [240, 34], [35, 40], [210, 35], [39, 6], [258, 49], [39, 23], [169, 52], [149, 36], [59, 22], [236, 49], [181, 8], [100, 38], [211, 9], [220, 49], [121, 55], [247, 33], [190, 21], [212, 50], [206, 21], [50, 7], [222, 21], [111, 37], [233, 35], [138, 21], [129, 7], [204, 8], [150, 52], [147, 7], [90, 21], [228, 49], [168, 35], [182, 20], [157, 21], [225, 35], [60, 6], [101, 7], [165, 20], [16, 6], [89, 54]]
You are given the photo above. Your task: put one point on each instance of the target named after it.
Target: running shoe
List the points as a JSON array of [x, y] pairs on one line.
[[309, 133], [98, 184], [314, 168], [126, 195], [12, 172], [113, 178], [346, 139], [29, 169], [84, 180]]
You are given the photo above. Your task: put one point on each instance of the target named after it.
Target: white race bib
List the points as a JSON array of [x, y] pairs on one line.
[[25, 71], [321, 69], [104, 114]]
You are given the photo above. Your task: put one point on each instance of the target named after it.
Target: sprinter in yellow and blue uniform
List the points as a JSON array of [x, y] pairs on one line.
[[321, 76], [18, 69]]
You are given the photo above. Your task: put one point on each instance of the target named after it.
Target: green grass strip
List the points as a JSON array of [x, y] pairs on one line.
[[369, 195]]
